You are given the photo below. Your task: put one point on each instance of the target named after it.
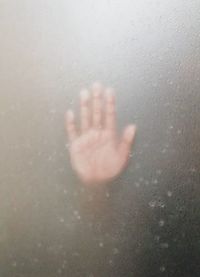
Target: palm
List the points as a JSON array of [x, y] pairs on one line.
[[101, 160], [97, 154]]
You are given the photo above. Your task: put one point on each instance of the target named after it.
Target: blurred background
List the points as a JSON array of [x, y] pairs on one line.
[[147, 222]]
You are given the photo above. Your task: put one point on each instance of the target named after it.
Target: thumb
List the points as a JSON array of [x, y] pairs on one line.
[[127, 140]]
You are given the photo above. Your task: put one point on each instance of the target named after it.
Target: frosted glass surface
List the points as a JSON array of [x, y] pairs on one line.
[[147, 222]]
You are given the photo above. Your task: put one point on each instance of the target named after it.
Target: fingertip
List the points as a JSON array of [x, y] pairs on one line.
[[84, 95], [97, 89], [110, 95], [130, 132], [69, 115], [110, 91], [97, 85]]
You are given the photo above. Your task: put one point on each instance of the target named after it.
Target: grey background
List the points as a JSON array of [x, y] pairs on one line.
[[147, 222]]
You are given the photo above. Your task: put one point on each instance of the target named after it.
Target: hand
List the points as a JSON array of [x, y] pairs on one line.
[[97, 153]]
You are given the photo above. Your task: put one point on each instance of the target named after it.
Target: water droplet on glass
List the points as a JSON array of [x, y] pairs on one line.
[[157, 238], [115, 251], [159, 171], [59, 271], [36, 260], [155, 181], [101, 244], [164, 245], [14, 264], [77, 215], [161, 223], [137, 184], [111, 262], [65, 191], [152, 204], [2, 114], [62, 220], [67, 145], [162, 268], [39, 245], [169, 193]]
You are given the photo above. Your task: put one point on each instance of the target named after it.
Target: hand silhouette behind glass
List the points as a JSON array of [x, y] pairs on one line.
[[97, 154]]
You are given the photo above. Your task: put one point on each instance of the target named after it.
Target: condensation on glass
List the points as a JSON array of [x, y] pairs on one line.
[[148, 222]]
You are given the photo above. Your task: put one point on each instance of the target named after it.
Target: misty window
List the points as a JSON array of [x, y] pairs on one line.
[[146, 221]]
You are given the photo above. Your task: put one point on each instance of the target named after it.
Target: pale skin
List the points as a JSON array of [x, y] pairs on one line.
[[98, 153]]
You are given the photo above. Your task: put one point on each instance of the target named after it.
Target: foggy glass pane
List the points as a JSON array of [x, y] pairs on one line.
[[147, 222]]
